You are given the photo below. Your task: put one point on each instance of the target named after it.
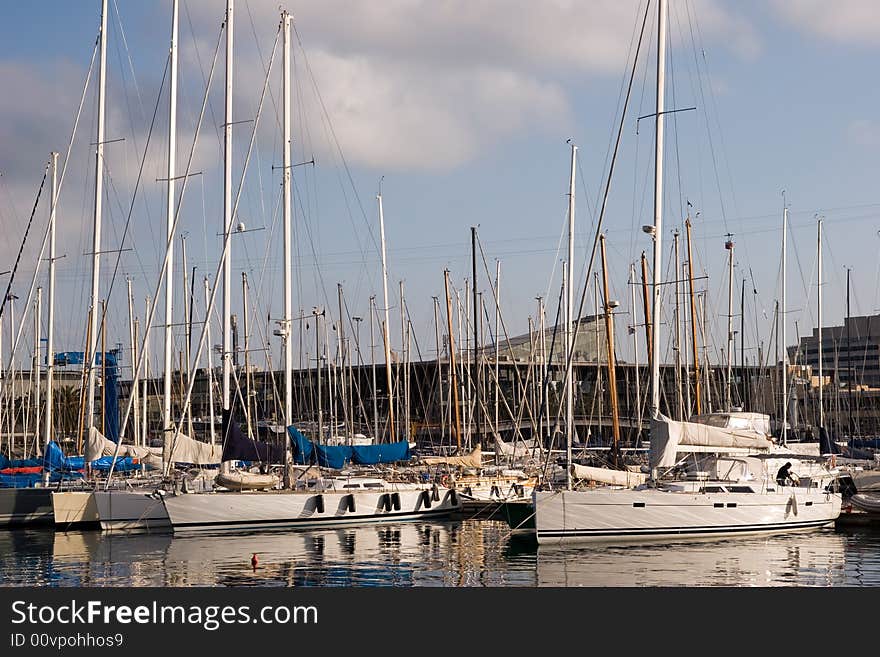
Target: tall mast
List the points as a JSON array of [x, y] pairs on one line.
[[728, 400], [569, 305], [35, 368], [385, 325], [475, 365], [609, 339], [497, 346], [695, 352], [819, 295], [209, 365], [227, 215], [632, 293], [646, 309], [678, 378], [373, 317], [135, 388], [50, 328], [784, 341], [658, 206], [439, 371], [456, 425], [288, 288], [744, 395], [96, 233], [849, 383], [172, 156]]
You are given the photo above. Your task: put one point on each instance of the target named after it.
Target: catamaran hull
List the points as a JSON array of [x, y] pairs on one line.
[[236, 511], [75, 510], [624, 516], [131, 510], [25, 506]]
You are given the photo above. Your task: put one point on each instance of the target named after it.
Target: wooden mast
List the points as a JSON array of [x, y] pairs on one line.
[[609, 341]]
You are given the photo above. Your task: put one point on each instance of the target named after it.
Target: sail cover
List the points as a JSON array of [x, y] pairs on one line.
[[238, 447], [518, 449], [607, 476], [472, 460], [667, 434], [337, 456]]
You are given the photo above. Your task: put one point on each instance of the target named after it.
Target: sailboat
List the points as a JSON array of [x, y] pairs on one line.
[[710, 477], [303, 498]]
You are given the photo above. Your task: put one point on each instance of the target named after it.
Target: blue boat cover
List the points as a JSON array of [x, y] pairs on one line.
[[333, 456], [337, 456], [302, 446], [382, 453]]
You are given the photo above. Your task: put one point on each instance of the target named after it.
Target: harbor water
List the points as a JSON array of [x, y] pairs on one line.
[[464, 553]]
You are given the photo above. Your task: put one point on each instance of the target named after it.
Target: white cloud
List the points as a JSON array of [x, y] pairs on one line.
[[420, 84], [849, 21]]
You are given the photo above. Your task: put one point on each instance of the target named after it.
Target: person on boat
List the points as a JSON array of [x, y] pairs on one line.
[[784, 477]]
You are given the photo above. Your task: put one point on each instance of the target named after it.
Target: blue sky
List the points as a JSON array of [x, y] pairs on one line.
[[464, 109]]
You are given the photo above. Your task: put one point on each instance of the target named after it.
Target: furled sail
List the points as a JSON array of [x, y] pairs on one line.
[[667, 434]]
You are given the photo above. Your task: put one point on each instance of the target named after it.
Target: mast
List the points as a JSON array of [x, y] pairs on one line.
[[373, 317], [227, 215], [609, 340], [677, 334], [96, 231], [646, 310], [172, 157], [632, 291], [784, 341], [819, 295], [146, 361], [246, 329], [475, 365], [694, 353], [742, 345], [456, 426], [569, 310], [849, 359], [135, 388], [288, 287], [658, 206], [497, 346], [728, 400], [439, 371], [209, 365], [35, 368], [385, 325], [50, 328]]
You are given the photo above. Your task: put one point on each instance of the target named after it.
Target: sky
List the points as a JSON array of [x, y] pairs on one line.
[[461, 114]]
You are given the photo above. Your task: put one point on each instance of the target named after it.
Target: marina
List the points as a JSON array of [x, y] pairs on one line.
[[595, 417]]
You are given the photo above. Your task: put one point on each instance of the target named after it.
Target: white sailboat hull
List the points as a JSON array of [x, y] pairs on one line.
[[246, 510], [131, 510], [616, 515]]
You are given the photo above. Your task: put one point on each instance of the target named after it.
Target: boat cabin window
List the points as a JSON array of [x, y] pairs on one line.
[[351, 486], [740, 489], [373, 484], [713, 489]]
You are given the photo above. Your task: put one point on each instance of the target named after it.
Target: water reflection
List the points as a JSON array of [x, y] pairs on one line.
[[820, 558], [469, 553]]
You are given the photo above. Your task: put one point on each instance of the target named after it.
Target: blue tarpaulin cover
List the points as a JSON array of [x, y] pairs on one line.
[[59, 467], [383, 453], [337, 456]]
